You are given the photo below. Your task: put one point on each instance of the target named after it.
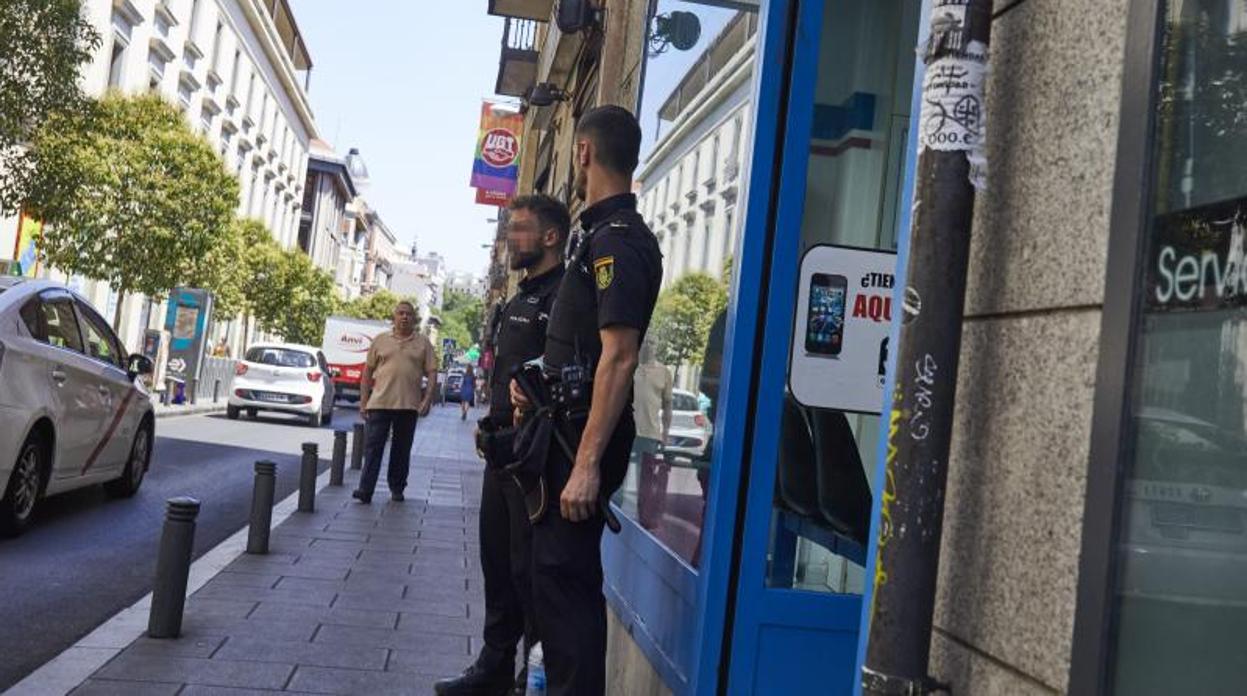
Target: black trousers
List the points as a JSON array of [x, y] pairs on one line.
[[567, 577], [506, 563], [379, 426]]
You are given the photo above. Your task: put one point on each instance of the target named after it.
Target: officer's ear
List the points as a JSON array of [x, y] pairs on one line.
[[551, 238], [584, 152]]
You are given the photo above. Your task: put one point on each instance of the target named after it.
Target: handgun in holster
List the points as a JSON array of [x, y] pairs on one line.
[[561, 411], [495, 443]]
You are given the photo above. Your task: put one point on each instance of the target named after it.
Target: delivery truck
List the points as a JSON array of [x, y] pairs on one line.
[[346, 347]]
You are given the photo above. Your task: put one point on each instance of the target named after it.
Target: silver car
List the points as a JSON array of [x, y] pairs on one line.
[[73, 412]]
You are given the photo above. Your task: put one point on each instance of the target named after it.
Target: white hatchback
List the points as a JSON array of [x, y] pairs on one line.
[[73, 412], [690, 429], [285, 378]]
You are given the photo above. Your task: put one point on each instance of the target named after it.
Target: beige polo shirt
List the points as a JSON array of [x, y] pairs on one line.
[[397, 366]]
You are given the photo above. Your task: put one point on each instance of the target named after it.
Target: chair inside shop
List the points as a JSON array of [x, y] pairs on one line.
[[844, 497], [797, 486]]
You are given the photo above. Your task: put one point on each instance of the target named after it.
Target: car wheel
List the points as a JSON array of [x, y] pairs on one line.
[[17, 507], [136, 466], [232, 412], [314, 420], [326, 418], [251, 413]]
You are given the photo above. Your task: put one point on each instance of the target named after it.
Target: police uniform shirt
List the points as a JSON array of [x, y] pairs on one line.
[[521, 336], [612, 279]]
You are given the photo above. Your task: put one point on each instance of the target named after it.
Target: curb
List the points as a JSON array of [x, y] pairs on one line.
[[197, 410], [67, 671]]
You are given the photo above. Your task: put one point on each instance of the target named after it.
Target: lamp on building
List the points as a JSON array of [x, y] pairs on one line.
[[545, 94], [355, 165], [573, 16], [677, 29]]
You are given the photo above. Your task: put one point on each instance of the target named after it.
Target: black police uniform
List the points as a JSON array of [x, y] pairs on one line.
[[505, 532], [612, 279]]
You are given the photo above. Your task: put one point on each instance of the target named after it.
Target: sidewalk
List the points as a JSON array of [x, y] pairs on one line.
[[187, 409], [384, 598]]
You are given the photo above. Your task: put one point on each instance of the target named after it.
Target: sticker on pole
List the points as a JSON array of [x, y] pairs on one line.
[[952, 118]]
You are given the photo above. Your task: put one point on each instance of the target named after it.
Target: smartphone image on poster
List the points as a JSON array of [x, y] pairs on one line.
[[824, 328]]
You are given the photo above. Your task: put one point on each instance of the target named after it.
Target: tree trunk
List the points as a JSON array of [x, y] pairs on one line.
[[121, 303]]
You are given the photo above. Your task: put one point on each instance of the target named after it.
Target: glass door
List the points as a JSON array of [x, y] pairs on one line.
[[825, 349]]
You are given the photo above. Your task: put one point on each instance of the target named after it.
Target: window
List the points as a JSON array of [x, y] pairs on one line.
[[706, 235], [101, 343], [117, 63], [280, 357], [59, 323], [233, 75], [32, 317], [216, 47], [1182, 532]]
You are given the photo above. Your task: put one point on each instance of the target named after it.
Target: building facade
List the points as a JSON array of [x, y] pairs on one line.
[[237, 70], [326, 224], [1093, 533]]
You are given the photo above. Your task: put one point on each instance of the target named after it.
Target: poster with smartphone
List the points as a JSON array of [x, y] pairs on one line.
[[844, 317]]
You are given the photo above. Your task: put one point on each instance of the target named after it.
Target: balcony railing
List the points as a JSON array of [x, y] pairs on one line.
[[517, 66], [539, 10]]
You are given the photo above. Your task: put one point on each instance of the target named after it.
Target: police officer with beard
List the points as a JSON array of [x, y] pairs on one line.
[[599, 317], [537, 229]]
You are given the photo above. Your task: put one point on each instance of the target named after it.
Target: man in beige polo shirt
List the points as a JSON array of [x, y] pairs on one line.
[[392, 398]]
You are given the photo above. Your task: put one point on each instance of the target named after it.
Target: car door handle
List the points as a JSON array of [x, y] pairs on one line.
[[104, 391], [59, 377]]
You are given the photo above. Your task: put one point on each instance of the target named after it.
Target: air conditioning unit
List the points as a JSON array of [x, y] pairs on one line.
[[573, 16]]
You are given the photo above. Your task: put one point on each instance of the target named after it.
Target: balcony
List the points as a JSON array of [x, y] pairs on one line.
[[538, 10], [517, 67]]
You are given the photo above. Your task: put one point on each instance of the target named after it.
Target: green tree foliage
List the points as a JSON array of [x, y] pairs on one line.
[[225, 269], [44, 43], [462, 314], [131, 196], [379, 306], [683, 317], [290, 296]]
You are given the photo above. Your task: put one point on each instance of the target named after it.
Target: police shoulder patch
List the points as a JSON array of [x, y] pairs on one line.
[[604, 271]]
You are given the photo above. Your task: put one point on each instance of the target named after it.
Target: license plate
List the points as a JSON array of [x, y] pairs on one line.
[[272, 398]]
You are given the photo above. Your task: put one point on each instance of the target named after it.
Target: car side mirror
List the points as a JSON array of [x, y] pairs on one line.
[[140, 365]]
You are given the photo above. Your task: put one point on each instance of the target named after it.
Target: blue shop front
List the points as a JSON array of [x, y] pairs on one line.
[[777, 172]]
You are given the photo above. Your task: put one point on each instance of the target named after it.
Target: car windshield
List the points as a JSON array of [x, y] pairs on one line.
[[683, 402], [280, 357]]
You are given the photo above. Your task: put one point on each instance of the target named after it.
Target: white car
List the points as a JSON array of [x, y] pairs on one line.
[[690, 429], [285, 378], [73, 412]]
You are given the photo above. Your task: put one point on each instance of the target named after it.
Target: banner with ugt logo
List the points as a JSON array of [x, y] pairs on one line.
[[496, 168]]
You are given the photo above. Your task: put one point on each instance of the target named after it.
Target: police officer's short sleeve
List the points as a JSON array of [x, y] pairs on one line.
[[621, 278]]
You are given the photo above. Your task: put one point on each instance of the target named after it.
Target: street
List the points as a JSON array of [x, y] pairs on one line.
[[88, 556]]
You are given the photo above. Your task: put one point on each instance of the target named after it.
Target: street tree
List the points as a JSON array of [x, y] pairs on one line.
[[683, 317], [224, 270], [377, 306], [465, 310], [293, 297], [129, 194], [45, 42]]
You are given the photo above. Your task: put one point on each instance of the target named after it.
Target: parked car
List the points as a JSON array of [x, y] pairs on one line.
[[453, 386], [690, 429], [73, 411], [283, 378]]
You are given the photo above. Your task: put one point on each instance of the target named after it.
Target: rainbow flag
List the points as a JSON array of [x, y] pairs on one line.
[[27, 251], [497, 164]]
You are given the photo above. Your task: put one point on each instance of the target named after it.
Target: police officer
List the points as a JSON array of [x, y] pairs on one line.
[[600, 316], [537, 229]]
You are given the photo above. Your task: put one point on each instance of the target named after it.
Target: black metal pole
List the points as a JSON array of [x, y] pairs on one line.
[[339, 458], [216, 391], [357, 446], [950, 168], [262, 496], [173, 568], [307, 478]]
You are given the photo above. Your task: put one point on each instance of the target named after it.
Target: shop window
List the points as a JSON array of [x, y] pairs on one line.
[[834, 391], [1181, 593], [687, 97]]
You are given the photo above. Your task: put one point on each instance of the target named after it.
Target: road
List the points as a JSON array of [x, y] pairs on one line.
[[86, 556]]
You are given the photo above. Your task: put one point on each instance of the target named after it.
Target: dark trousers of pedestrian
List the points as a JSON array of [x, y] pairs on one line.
[[506, 563], [567, 577], [380, 425]]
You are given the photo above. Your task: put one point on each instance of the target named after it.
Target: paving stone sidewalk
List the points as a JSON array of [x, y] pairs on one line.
[[352, 599]]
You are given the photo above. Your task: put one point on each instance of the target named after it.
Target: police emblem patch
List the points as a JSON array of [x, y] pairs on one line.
[[604, 271]]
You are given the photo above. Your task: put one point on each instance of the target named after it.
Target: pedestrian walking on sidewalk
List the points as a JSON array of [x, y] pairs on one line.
[[598, 320], [467, 392], [392, 398], [537, 230]]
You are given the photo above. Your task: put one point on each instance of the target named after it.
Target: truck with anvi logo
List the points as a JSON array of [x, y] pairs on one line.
[[346, 347]]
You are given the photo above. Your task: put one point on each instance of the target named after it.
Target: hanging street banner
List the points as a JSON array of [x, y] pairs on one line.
[[27, 250], [496, 166]]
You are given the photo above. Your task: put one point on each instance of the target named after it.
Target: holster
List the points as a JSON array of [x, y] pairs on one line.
[[495, 443]]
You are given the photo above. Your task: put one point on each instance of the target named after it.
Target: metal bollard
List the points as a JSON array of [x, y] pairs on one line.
[[339, 458], [262, 507], [216, 391], [357, 447], [167, 397], [307, 478], [194, 384], [172, 568]]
